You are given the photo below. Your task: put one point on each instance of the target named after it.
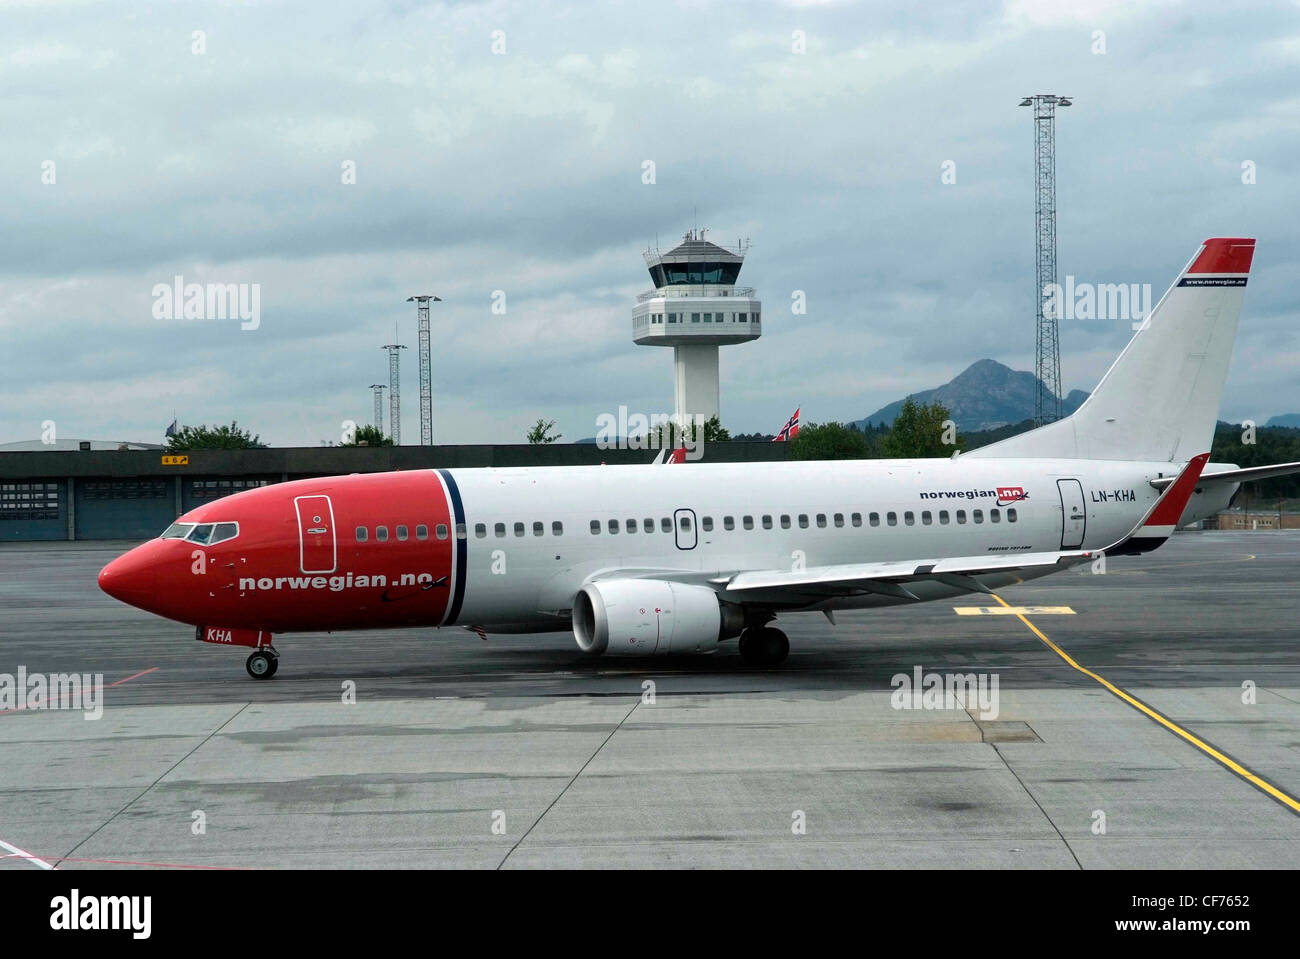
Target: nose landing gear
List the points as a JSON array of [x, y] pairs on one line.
[[262, 663]]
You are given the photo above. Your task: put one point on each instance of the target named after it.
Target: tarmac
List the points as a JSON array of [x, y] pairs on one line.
[[1174, 744]]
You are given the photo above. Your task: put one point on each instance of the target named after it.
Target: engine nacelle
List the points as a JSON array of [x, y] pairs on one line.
[[650, 617]]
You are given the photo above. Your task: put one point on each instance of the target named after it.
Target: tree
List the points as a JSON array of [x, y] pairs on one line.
[[673, 434], [920, 430], [1259, 446], [829, 441], [715, 432], [540, 434], [214, 438], [371, 436]]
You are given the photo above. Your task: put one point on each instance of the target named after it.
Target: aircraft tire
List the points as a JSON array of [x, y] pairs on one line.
[[261, 665]]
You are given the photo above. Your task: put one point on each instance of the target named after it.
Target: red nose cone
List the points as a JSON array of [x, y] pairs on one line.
[[130, 578]]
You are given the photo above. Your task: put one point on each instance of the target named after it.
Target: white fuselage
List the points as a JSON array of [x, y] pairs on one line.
[[709, 521]]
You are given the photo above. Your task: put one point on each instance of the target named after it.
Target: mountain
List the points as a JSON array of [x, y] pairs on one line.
[[1289, 420], [983, 396]]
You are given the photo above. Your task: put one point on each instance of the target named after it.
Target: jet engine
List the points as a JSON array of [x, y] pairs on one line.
[[651, 617]]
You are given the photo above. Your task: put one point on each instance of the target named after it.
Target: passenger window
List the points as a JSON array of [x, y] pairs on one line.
[[480, 530], [557, 528], [977, 515], [747, 522], [891, 518], [421, 532], [613, 526], [539, 528], [685, 523], [995, 516], [943, 517], [909, 518], [666, 524], [647, 525], [461, 532], [875, 519], [803, 520], [785, 520], [499, 529], [402, 533], [706, 523], [1011, 515], [363, 534], [728, 522], [440, 531], [927, 518], [381, 534], [767, 521], [856, 519], [595, 527], [821, 520], [519, 529], [961, 517], [839, 519], [631, 525]]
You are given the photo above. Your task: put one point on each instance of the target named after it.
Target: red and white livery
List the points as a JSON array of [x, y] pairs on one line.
[[644, 561]]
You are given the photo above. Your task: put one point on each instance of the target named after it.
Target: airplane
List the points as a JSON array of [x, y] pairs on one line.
[[648, 561]]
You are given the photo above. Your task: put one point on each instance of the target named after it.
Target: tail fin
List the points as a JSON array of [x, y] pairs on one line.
[[1160, 400]]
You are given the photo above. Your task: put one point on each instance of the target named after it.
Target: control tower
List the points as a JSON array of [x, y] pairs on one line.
[[695, 308]]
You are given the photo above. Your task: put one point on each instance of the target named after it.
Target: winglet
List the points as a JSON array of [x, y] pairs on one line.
[[1162, 519]]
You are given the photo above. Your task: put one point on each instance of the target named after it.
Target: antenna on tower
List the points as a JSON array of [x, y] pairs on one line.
[[1047, 364]]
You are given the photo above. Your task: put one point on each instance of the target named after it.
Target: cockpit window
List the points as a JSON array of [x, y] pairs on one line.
[[209, 534], [177, 530]]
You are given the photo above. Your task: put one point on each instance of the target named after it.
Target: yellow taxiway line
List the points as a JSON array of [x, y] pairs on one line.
[[1227, 762], [1013, 610]]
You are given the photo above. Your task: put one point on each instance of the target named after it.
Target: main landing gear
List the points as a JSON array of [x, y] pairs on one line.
[[763, 646], [262, 663]]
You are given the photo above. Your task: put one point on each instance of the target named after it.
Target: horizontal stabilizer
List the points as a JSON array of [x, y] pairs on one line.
[[1237, 475]]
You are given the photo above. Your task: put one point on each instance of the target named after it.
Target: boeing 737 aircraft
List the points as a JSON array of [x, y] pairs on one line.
[[651, 560]]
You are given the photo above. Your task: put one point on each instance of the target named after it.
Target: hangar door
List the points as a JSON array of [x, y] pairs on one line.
[[124, 509]]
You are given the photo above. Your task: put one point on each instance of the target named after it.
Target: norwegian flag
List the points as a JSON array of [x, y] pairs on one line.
[[789, 431]]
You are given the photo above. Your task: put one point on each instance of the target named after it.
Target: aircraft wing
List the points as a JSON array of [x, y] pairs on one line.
[[892, 578], [1238, 475]]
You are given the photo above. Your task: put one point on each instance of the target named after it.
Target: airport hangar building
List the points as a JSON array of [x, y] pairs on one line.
[[136, 494]]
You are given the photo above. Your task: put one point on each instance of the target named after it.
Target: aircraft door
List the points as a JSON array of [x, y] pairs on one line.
[[316, 546], [684, 525], [1073, 514]]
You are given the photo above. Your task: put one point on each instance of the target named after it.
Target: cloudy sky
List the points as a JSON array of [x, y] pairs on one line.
[[220, 156]]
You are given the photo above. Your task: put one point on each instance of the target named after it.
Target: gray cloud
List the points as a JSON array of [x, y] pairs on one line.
[[522, 173]]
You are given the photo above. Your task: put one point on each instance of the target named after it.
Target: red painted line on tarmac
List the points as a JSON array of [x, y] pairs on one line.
[[143, 672], [157, 865]]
